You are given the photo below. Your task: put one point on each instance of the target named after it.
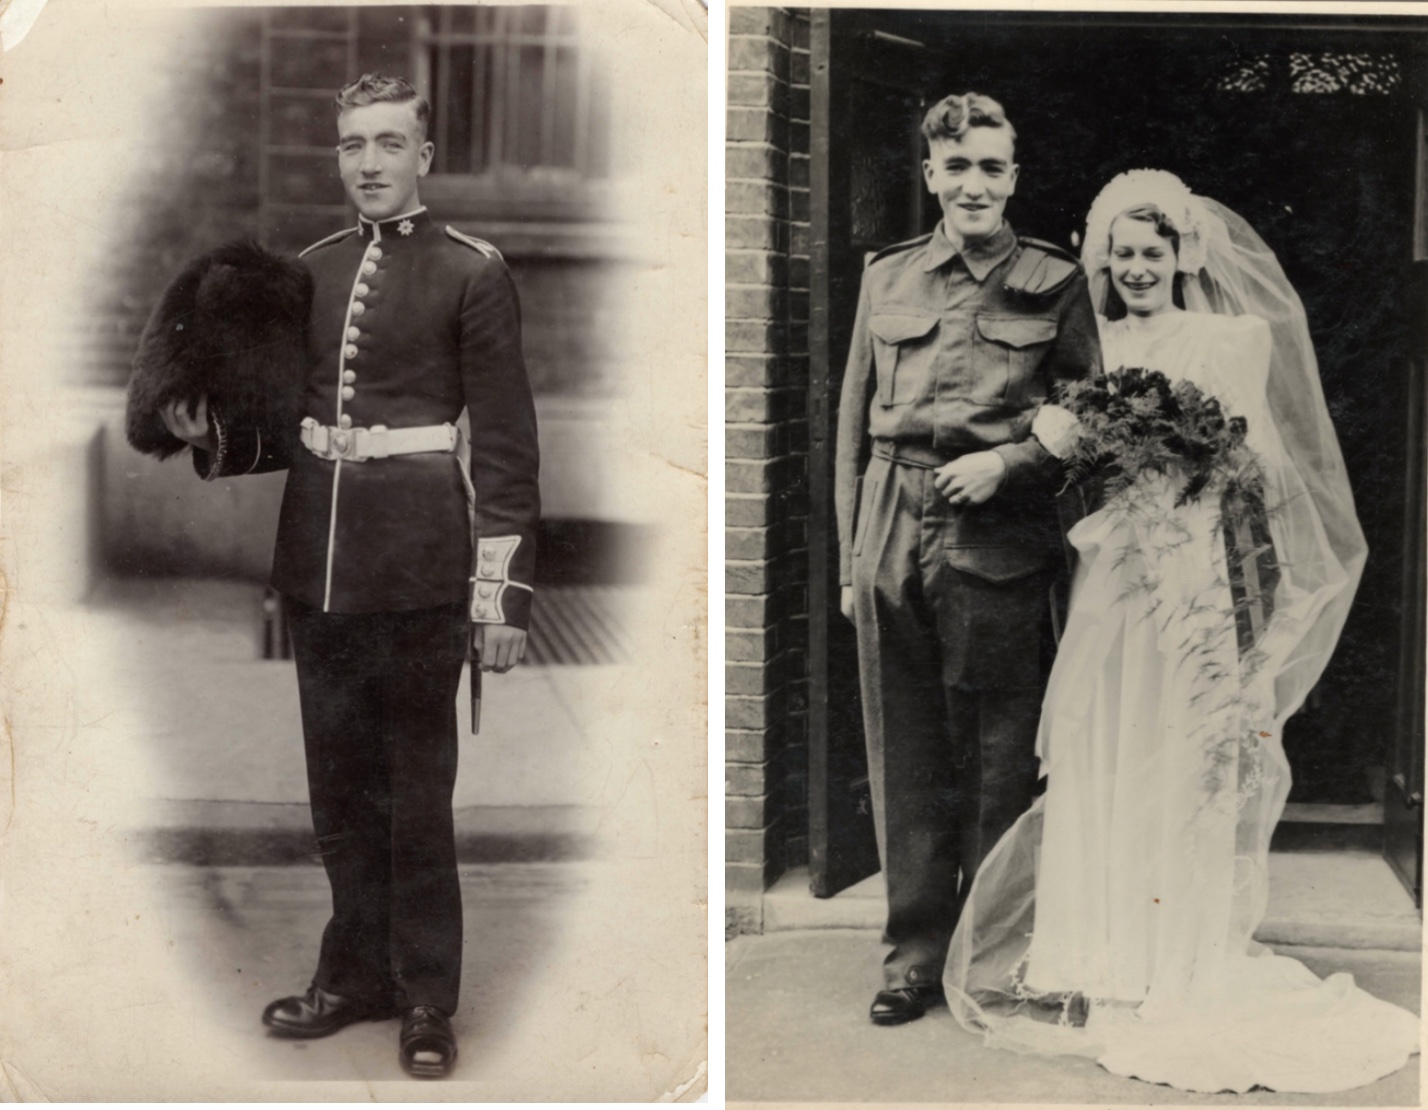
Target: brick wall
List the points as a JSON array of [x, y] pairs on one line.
[[766, 429]]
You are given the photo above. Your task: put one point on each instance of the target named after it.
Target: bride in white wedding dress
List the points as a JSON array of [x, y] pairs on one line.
[[1116, 919]]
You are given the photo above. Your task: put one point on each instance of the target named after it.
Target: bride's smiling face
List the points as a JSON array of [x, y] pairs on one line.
[[1142, 266]]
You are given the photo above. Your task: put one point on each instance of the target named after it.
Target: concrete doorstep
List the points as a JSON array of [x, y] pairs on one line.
[[1347, 899]]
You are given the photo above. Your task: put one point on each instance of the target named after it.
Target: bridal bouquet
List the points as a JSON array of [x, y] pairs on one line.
[[1113, 430]]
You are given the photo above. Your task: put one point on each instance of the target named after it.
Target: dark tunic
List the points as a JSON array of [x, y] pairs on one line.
[[410, 323]]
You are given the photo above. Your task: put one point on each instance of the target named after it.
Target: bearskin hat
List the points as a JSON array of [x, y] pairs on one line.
[[233, 326]]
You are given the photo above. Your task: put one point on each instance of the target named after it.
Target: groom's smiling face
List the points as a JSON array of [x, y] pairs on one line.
[[972, 177]]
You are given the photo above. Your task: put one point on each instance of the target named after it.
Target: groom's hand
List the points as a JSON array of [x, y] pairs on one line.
[[845, 602], [971, 479], [190, 424]]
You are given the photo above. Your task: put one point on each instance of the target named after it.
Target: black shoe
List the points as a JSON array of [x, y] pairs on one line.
[[427, 1046], [903, 1004], [319, 1014]]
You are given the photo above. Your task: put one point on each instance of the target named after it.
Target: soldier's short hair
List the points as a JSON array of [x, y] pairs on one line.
[[377, 88], [950, 117]]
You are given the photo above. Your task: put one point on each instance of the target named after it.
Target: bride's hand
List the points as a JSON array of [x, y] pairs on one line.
[[971, 479]]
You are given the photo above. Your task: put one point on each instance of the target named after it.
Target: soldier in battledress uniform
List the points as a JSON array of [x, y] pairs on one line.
[[411, 322], [948, 532]]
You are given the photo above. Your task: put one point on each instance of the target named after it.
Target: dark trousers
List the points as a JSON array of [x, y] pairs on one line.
[[951, 633], [378, 694]]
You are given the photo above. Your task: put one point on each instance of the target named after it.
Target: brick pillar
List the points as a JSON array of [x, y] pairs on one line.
[[766, 430]]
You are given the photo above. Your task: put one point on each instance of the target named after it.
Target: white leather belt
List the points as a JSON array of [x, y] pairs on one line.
[[380, 442]]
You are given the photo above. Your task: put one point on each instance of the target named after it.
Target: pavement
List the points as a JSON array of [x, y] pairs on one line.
[[797, 1030], [570, 991]]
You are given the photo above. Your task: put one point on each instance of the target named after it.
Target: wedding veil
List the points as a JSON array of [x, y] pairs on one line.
[[1229, 270]]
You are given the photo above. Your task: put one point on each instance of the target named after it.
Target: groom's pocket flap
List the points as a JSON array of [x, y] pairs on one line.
[[1016, 331], [999, 563], [892, 328]]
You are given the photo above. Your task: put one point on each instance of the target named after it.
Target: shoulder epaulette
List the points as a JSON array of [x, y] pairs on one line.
[[897, 248], [334, 237], [476, 244], [1041, 268]]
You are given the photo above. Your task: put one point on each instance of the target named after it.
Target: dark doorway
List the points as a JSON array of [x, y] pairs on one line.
[[1311, 131]]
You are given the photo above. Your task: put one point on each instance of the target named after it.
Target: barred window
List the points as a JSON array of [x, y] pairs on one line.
[[514, 91]]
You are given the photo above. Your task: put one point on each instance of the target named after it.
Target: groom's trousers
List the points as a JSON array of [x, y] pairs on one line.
[[953, 611], [378, 694]]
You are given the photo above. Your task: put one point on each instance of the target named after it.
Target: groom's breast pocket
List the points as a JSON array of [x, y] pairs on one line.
[[1007, 351], [905, 345]]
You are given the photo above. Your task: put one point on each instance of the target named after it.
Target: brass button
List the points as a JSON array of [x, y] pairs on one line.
[[374, 253], [358, 308], [369, 267], [354, 333], [348, 393], [349, 376], [362, 289], [345, 420], [350, 350]]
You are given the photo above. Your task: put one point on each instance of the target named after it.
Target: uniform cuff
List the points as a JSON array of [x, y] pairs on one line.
[[495, 598]]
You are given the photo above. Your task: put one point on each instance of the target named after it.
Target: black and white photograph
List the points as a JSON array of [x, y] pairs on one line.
[[1074, 514], [355, 441]]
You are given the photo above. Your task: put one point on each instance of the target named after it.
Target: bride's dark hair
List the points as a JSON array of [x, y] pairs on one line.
[[1148, 214]]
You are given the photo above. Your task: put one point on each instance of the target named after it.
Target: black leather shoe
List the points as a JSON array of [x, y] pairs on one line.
[[903, 1004], [319, 1013], [427, 1045]]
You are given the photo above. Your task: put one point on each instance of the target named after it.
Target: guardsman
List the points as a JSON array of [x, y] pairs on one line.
[[411, 322], [948, 531]]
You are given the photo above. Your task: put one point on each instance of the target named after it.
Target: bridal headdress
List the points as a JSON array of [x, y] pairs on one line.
[[1187, 213]]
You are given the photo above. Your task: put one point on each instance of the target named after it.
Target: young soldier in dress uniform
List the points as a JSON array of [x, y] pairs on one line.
[[947, 529], [411, 322]]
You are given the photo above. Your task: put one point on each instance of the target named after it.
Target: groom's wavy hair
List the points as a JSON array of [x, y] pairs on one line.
[[376, 88], [951, 117], [1148, 214]]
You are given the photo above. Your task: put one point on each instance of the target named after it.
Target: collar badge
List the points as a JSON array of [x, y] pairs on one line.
[[405, 227]]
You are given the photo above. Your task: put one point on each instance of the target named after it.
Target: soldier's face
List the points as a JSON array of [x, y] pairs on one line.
[[972, 177], [381, 156], [1142, 266]]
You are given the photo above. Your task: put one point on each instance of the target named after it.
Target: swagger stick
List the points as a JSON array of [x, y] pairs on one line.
[[476, 693]]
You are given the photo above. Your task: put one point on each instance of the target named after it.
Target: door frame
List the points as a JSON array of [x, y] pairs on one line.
[[828, 197]]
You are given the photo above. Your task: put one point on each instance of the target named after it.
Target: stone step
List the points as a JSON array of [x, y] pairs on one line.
[[1326, 827], [1341, 899]]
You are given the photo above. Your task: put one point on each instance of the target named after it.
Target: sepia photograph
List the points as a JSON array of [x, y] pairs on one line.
[[355, 443], [1074, 513]]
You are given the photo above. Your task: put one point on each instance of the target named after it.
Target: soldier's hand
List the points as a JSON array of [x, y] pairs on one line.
[[191, 426], [971, 479], [499, 647], [845, 602]]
